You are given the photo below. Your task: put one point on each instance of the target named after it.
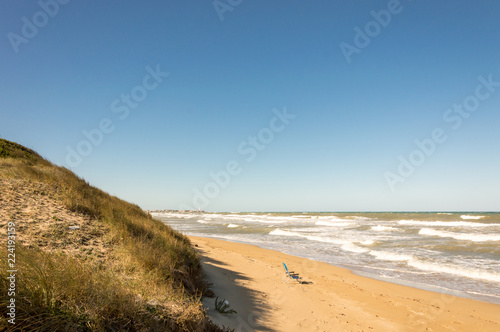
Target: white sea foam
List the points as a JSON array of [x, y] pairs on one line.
[[458, 271], [445, 223], [436, 267], [353, 248], [390, 256], [358, 218], [283, 233], [323, 239], [267, 220], [248, 218], [201, 221], [367, 242], [460, 236], [471, 217], [333, 218], [484, 294], [333, 224], [232, 226], [380, 228]]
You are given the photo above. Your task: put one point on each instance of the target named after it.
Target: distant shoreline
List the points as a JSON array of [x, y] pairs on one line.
[[319, 212]]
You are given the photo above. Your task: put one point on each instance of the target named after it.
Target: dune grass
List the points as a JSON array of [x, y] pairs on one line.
[[149, 280]]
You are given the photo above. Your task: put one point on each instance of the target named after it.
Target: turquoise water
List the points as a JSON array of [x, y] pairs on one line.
[[457, 253]]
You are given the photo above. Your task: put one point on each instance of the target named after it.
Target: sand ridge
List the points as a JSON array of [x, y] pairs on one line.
[[42, 221]]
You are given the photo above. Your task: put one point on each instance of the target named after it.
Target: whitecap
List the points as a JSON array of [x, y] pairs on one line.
[[380, 228], [359, 218], [460, 236], [284, 233], [309, 237], [436, 267], [353, 248], [333, 224], [471, 217], [390, 256], [267, 220], [458, 271], [445, 223]]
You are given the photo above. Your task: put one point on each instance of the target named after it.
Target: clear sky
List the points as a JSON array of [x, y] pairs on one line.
[[239, 105]]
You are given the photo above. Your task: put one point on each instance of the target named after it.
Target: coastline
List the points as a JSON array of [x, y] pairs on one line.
[[329, 298]]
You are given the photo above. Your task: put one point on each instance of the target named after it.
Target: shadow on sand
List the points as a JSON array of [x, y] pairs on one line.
[[228, 284], [299, 278]]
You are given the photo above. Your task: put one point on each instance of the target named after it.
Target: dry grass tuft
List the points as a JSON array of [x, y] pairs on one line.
[[88, 261]]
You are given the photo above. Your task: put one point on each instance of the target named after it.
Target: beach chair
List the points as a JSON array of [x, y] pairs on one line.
[[289, 275]]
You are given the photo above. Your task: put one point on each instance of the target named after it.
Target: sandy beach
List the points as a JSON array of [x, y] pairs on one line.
[[327, 298]]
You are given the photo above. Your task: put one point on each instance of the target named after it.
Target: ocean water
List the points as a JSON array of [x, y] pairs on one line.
[[452, 253]]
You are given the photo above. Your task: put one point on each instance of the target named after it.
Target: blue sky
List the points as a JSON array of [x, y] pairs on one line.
[[261, 109]]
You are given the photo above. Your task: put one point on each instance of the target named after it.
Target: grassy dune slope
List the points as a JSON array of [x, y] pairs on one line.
[[90, 261]]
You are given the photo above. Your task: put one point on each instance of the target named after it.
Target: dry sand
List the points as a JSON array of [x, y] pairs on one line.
[[328, 299], [42, 221]]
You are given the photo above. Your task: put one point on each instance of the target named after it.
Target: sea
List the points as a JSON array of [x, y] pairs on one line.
[[451, 253]]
